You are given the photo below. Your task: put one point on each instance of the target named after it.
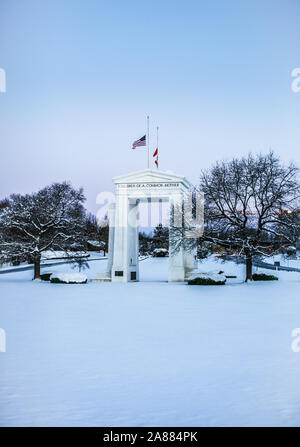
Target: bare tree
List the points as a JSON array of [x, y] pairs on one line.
[[51, 219], [244, 203]]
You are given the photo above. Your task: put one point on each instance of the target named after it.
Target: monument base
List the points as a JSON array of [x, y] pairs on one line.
[[102, 277], [176, 274], [129, 274]]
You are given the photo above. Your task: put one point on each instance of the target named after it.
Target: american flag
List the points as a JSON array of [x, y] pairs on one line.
[[140, 142]]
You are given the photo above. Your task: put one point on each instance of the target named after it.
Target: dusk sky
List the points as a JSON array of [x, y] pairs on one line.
[[81, 77]]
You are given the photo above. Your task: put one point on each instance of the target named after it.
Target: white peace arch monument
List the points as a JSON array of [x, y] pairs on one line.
[[130, 190]]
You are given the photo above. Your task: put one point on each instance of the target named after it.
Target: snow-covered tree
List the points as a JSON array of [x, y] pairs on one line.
[[244, 199], [145, 243], [3, 203], [160, 237], [51, 219]]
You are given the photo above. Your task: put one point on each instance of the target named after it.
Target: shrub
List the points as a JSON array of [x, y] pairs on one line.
[[263, 277], [59, 281], [204, 279], [205, 282], [160, 252], [68, 278], [45, 276]]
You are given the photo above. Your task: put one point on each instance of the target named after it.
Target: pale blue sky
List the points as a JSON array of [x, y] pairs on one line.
[[83, 75]]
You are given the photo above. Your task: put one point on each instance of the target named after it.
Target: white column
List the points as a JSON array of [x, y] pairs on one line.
[[190, 260], [133, 242], [119, 268], [125, 265], [190, 248], [111, 236]]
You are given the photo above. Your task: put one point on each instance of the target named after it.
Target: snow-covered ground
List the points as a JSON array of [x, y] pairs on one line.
[[149, 353]]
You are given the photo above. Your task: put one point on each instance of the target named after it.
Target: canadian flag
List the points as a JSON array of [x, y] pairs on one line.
[[156, 155]]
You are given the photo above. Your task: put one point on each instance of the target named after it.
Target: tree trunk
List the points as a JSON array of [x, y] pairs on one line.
[[37, 268], [248, 267]]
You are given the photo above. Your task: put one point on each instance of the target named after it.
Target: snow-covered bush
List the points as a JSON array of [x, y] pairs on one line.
[[206, 279], [45, 276], [291, 250], [159, 252], [68, 278], [263, 277]]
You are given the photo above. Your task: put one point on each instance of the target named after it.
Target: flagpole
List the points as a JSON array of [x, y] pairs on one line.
[[148, 141], [157, 143]]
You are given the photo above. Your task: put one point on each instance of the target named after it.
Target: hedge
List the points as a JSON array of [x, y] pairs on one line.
[[205, 282], [263, 277]]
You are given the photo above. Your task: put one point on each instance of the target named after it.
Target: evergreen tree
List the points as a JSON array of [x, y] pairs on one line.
[[160, 237]]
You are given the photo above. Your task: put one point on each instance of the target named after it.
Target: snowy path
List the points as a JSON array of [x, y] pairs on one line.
[[149, 353]]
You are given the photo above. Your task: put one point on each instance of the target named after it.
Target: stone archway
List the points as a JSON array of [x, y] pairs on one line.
[[130, 190]]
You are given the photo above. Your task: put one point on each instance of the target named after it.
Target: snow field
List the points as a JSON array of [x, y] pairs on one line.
[[149, 353]]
